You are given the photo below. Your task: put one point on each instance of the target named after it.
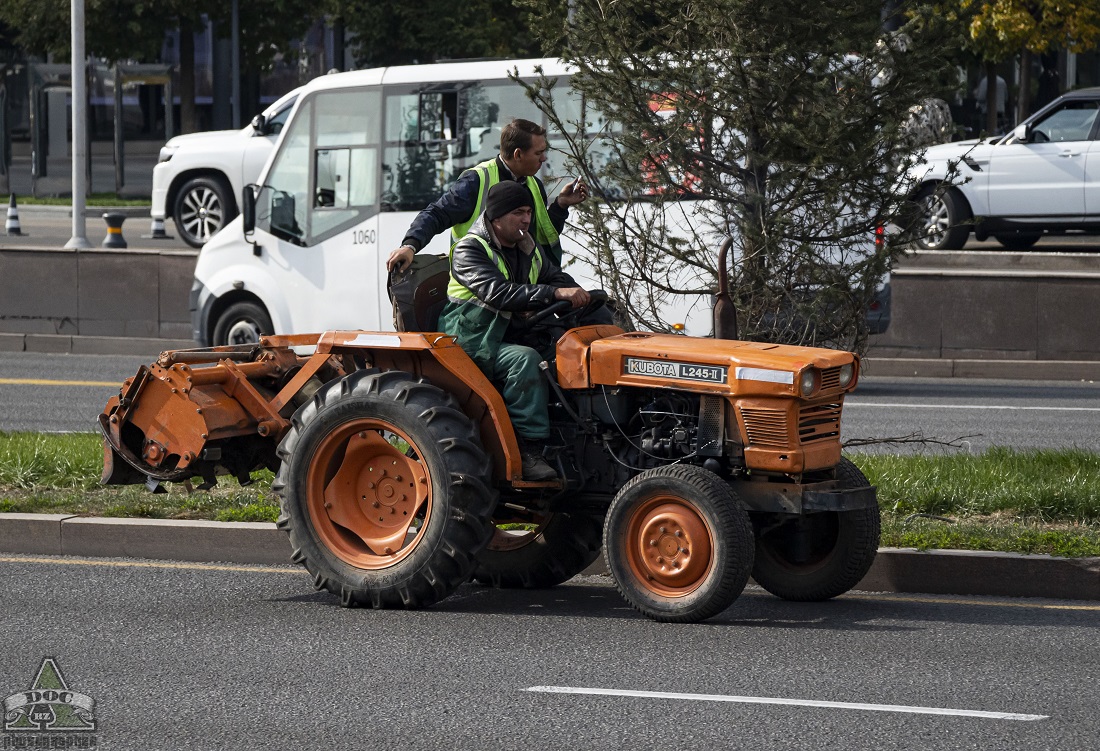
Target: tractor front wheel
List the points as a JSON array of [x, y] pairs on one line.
[[678, 543], [820, 555], [385, 490]]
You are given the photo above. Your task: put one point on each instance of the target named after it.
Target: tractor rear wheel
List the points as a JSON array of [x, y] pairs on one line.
[[384, 490], [820, 555], [678, 543], [557, 548]]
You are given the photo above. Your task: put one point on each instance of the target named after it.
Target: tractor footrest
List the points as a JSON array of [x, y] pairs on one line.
[[543, 484]]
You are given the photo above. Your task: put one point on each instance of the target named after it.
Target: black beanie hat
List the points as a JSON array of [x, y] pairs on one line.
[[506, 196]]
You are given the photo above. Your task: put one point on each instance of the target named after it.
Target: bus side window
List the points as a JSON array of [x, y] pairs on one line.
[[281, 203], [347, 126]]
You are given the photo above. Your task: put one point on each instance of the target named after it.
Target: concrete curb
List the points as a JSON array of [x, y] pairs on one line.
[[955, 572]]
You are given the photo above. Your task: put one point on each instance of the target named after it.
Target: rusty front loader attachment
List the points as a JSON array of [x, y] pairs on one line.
[[205, 412]]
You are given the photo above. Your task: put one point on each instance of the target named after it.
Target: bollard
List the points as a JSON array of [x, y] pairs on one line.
[[12, 225], [114, 237], [157, 231]]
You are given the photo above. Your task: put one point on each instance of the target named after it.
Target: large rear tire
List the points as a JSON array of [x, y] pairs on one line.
[[678, 543], [384, 491], [819, 555], [558, 548]]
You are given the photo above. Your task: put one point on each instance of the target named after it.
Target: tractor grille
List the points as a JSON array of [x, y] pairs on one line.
[[819, 422], [712, 410], [766, 427], [830, 378]]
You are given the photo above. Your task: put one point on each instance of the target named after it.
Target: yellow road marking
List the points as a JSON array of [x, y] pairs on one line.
[[49, 382], [259, 567]]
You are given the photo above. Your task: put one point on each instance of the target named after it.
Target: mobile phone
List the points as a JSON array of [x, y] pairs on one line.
[[575, 184]]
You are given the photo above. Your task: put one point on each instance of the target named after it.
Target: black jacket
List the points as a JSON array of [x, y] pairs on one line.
[[474, 269], [457, 205]]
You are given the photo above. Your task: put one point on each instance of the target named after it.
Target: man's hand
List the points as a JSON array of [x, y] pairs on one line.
[[573, 193], [400, 258], [575, 295]]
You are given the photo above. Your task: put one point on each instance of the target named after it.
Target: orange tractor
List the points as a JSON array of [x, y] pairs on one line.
[[692, 463]]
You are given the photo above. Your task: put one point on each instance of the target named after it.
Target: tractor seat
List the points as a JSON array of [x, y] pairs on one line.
[[419, 293]]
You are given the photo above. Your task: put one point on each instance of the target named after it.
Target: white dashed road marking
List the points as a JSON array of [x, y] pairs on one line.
[[901, 405], [789, 702]]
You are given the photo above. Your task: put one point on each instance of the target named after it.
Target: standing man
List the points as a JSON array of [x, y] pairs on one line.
[[498, 273], [523, 148]]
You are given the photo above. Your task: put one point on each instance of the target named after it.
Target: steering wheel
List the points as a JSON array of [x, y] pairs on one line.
[[1038, 136], [562, 308]]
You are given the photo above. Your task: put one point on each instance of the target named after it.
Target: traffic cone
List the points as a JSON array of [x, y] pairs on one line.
[[12, 225], [114, 237], [157, 231]]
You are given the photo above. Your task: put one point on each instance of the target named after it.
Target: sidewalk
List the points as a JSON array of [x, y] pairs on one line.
[[954, 572]]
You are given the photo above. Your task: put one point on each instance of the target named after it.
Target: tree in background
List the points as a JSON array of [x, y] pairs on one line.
[[782, 118], [126, 30], [391, 32], [1000, 29]]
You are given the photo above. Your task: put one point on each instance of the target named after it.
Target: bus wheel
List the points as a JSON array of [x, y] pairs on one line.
[[242, 323]]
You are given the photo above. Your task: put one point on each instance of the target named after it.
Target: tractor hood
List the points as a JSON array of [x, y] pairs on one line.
[[588, 358]]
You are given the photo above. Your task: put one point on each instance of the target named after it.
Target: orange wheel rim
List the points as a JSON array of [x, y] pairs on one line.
[[669, 546], [368, 499]]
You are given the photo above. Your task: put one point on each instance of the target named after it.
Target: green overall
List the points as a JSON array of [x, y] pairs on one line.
[[480, 331], [545, 235]]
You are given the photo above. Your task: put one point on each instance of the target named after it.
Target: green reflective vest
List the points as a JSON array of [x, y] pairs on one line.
[[478, 328], [488, 175], [459, 293]]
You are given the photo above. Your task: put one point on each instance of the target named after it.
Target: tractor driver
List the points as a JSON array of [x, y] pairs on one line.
[[498, 274]]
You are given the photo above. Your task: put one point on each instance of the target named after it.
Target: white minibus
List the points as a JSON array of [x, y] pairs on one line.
[[362, 153]]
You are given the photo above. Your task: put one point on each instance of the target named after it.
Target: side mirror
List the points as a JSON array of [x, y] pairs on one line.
[[258, 123], [1022, 133], [248, 208]]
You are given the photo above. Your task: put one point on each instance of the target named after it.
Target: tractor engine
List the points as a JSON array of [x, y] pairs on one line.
[[669, 426]]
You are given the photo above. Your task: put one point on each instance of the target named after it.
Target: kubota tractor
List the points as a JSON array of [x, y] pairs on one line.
[[692, 462]]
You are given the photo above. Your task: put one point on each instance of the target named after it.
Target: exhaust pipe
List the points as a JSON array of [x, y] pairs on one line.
[[725, 313]]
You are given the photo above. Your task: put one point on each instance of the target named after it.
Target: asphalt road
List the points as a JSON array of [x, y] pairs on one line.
[[193, 656], [973, 413], [52, 227], [47, 392]]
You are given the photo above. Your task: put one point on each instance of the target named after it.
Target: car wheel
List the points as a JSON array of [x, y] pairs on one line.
[[1019, 240], [242, 323], [203, 206], [943, 219]]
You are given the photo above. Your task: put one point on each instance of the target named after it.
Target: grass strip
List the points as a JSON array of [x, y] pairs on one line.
[[95, 199], [1003, 500]]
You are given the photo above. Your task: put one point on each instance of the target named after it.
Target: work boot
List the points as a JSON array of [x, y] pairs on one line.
[[535, 467]]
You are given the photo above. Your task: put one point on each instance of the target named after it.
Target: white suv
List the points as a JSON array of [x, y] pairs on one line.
[[1043, 176], [200, 175]]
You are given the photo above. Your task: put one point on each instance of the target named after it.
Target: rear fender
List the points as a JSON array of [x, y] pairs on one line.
[[440, 360]]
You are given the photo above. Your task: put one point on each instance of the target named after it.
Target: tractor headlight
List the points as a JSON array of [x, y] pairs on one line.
[[846, 373], [808, 382]]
